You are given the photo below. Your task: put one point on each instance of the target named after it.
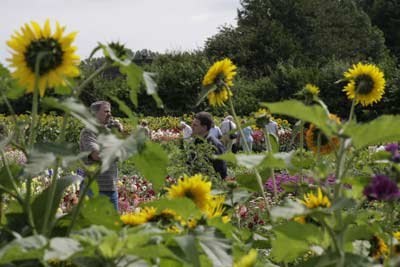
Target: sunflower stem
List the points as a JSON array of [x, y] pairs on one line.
[[301, 151], [78, 89], [351, 115], [258, 176]]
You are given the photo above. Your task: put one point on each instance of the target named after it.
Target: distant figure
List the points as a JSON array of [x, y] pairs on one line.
[[201, 126], [186, 130], [247, 143], [228, 137], [144, 127], [272, 127], [215, 131]]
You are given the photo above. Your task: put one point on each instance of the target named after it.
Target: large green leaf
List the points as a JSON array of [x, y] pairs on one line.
[[31, 247], [248, 181], [216, 249], [125, 109], [183, 206], [381, 130], [92, 235], [314, 114], [40, 203], [288, 211], [331, 260], [99, 210], [187, 244], [293, 240], [114, 149], [152, 162], [152, 252], [134, 76], [6, 181], [78, 110], [151, 87], [111, 246], [61, 248]]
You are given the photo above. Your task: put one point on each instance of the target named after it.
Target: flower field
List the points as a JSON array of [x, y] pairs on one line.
[[320, 191]]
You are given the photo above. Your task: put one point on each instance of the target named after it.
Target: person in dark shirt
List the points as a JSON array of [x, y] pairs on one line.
[[201, 126]]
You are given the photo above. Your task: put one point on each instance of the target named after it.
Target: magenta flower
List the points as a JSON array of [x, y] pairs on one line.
[[382, 188]]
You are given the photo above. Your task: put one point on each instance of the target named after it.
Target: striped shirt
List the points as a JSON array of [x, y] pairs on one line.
[[107, 180]]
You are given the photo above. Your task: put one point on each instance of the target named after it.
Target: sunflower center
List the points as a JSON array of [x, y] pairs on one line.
[[324, 139], [364, 84], [52, 58]]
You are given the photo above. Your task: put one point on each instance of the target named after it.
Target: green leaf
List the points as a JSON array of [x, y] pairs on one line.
[[41, 201], [114, 149], [154, 251], [248, 181], [134, 79], [151, 87], [331, 260], [125, 109], [62, 248], [152, 162], [355, 232], [314, 114], [288, 211], [183, 206], [187, 244], [99, 210], [225, 228], [293, 240], [111, 246], [92, 235], [31, 247], [217, 249], [5, 180], [380, 130], [63, 90]]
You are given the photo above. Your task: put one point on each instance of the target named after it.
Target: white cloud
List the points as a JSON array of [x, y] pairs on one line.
[[158, 25]]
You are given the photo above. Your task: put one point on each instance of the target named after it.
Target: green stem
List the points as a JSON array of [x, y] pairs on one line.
[[269, 148], [258, 176], [78, 90], [351, 115], [390, 214], [301, 151]]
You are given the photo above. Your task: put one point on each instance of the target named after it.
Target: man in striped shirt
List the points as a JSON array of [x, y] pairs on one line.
[[107, 180]]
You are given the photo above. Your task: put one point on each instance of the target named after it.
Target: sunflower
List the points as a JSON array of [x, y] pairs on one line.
[[58, 62], [145, 215], [248, 260], [366, 84], [378, 248], [215, 207], [196, 188], [312, 201], [300, 219], [326, 144], [220, 74], [312, 89]]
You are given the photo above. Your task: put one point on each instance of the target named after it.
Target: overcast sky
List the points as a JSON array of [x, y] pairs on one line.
[[158, 25]]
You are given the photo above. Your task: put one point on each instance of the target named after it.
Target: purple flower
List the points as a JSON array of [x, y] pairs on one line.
[[382, 188], [392, 148]]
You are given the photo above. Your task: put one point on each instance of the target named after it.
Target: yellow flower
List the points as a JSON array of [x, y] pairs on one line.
[[145, 215], [312, 201], [196, 188], [58, 62], [312, 89], [191, 223], [174, 229], [220, 74], [248, 260], [378, 248], [215, 207], [366, 84], [397, 235], [300, 219], [262, 112], [326, 145]]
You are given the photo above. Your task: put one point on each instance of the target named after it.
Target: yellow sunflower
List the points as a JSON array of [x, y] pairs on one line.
[[145, 215], [58, 62], [366, 84], [215, 207], [220, 74], [248, 260], [312, 201], [312, 89], [262, 112], [378, 248], [397, 235], [196, 188], [326, 145]]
